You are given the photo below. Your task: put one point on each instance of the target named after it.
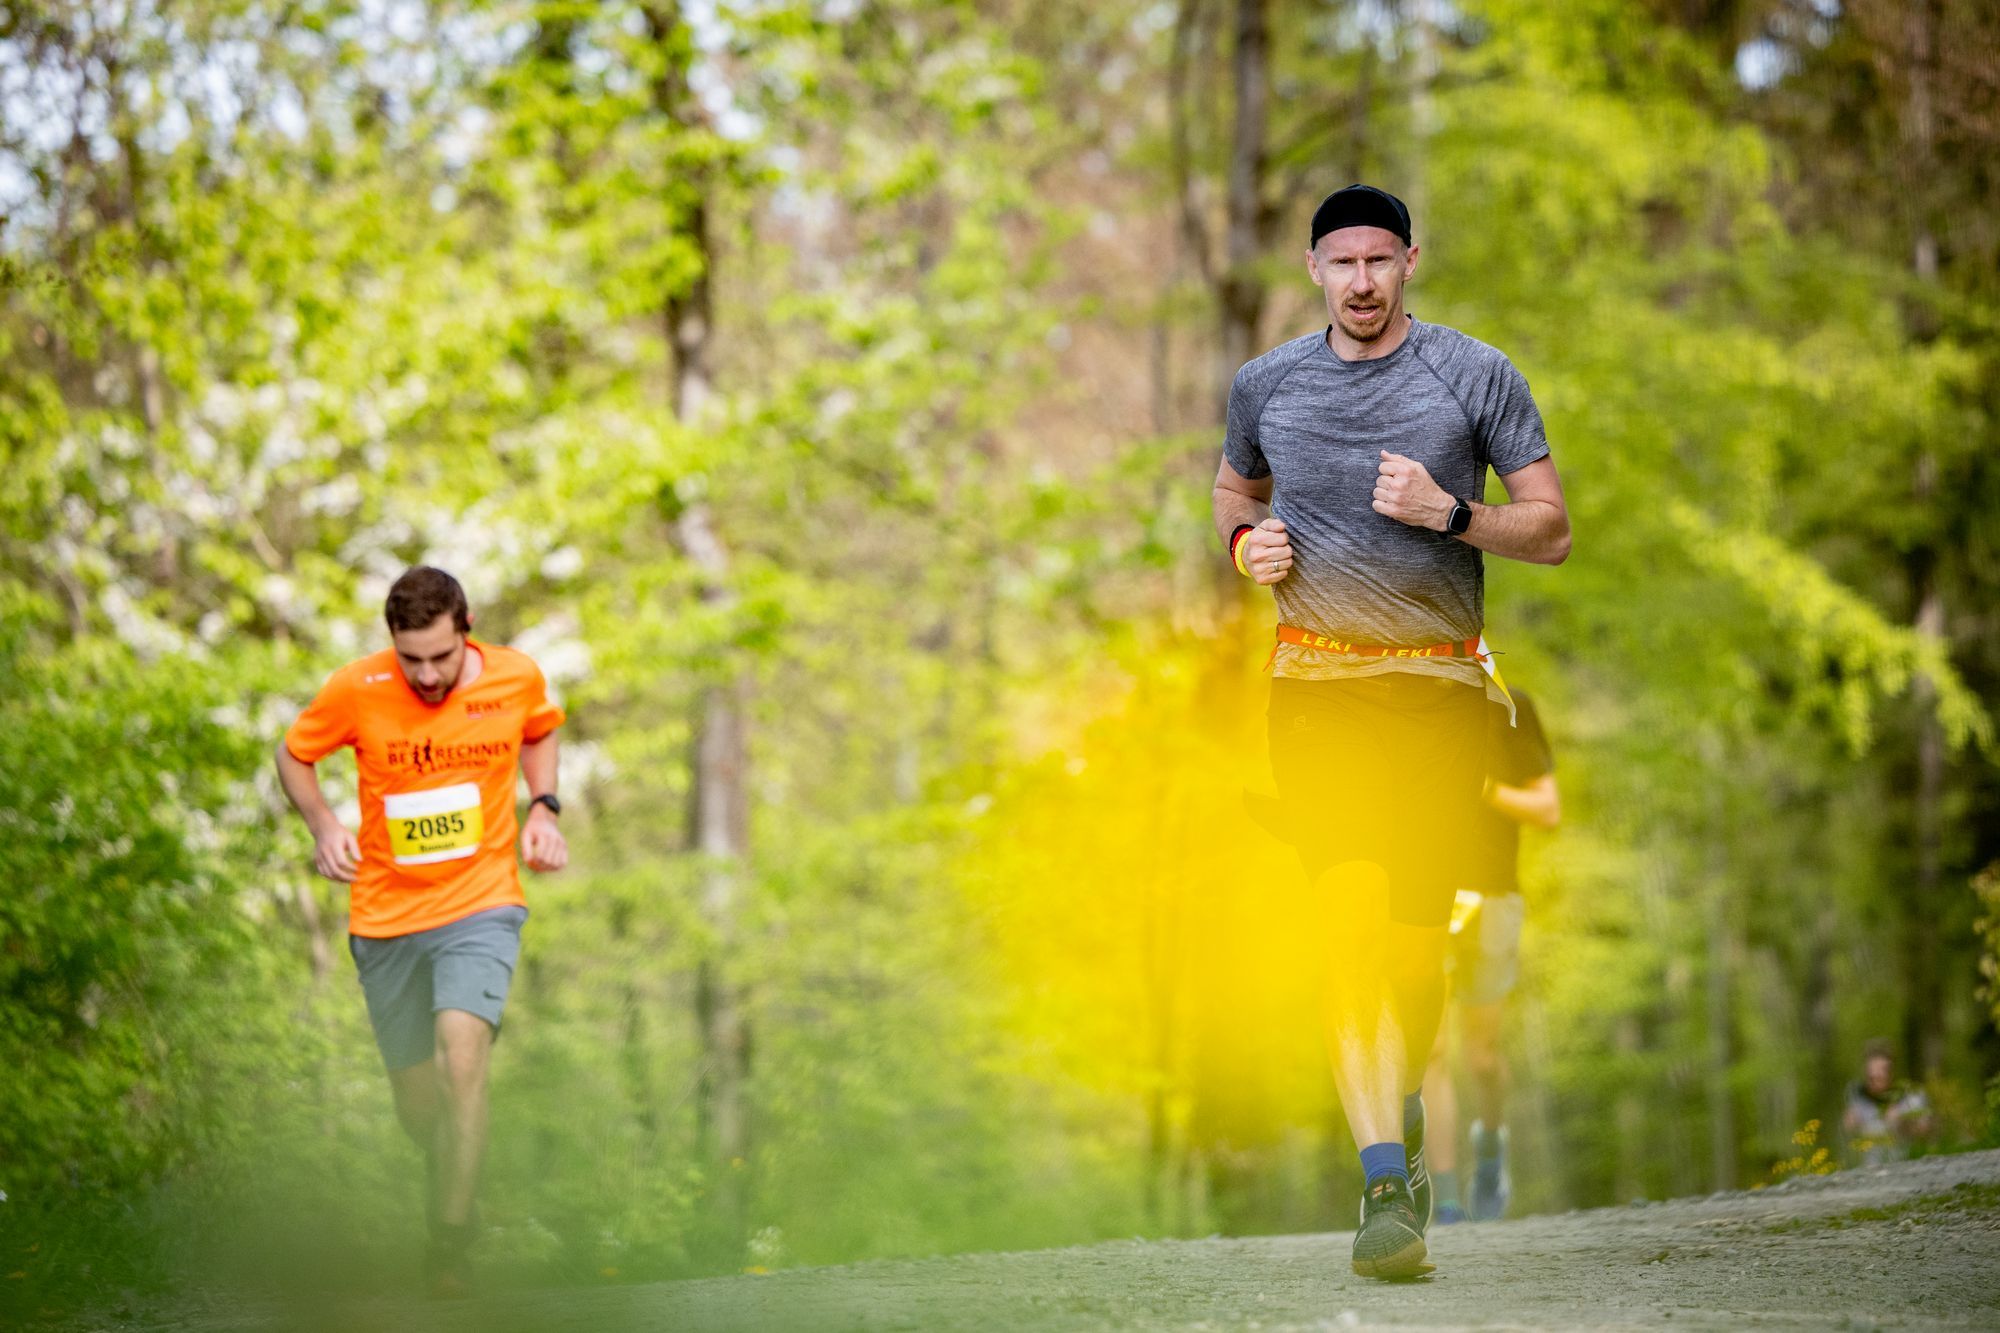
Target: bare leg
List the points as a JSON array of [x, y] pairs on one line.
[[420, 1110], [1416, 989], [1441, 1108], [1479, 1027], [1363, 1039], [418, 1103], [464, 1043]]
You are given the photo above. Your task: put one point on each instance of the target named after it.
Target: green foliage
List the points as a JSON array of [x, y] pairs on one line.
[[1986, 887], [403, 295], [124, 821]]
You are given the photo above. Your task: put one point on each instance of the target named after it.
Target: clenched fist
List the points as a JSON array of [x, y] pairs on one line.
[[542, 844], [1267, 551], [336, 852], [1405, 492]]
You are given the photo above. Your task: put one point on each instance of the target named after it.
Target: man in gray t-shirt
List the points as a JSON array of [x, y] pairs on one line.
[[1348, 484]]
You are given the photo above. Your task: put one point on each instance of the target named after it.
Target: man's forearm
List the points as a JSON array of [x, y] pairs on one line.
[[1537, 804], [1532, 530], [301, 783], [1233, 509], [539, 765]]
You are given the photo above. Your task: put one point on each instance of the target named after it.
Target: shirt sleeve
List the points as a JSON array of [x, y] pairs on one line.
[[327, 724], [1240, 446], [544, 714], [1510, 425], [1529, 755]]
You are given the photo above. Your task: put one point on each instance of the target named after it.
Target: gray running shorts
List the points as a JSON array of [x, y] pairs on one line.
[[464, 964], [1485, 956]]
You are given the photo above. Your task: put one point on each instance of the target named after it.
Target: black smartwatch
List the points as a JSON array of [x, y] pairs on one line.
[[548, 799], [1460, 519]]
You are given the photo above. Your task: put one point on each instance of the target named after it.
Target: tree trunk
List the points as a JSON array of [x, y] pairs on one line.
[[721, 825], [1161, 962], [1240, 288], [722, 839], [1250, 218], [1719, 953], [318, 947], [1630, 1117], [1923, 1014], [1824, 1062], [1533, 1108], [1719, 1022], [1423, 110]]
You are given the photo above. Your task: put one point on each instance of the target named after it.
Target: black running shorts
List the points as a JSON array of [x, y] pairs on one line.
[[1387, 769]]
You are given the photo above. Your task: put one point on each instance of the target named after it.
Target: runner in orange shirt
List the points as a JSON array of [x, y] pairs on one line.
[[438, 723]]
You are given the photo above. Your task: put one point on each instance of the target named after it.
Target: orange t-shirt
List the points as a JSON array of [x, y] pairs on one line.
[[437, 784]]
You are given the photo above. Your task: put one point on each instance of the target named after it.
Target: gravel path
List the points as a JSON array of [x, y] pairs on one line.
[[1911, 1246]]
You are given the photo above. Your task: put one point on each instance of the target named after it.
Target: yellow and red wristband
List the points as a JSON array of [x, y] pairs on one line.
[[1236, 540]]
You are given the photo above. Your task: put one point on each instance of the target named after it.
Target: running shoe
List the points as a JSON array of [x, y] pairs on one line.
[[1448, 1214], [448, 1277], [1390, 1243], [447, 1270], [1422, 1196], [1491, 1186]]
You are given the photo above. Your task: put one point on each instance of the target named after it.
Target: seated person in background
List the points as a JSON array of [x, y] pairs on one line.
[[1886, 1116]]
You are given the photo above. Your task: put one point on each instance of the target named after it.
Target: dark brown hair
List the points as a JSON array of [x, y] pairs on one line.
[[423, 594]]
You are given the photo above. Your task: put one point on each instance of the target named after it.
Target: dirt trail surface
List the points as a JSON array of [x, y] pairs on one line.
[[1910, 1246]]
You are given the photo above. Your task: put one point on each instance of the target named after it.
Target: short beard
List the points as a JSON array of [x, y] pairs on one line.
[[1363, 336], [444, 691]]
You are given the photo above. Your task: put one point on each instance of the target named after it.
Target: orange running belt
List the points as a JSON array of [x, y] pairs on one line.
[[1328, 643], [1472, 649]]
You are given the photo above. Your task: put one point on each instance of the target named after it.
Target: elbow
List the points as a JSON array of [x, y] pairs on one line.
[[1542, 804], [1558, 550]]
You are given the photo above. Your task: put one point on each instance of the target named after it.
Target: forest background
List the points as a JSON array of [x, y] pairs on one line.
[[827, 395]]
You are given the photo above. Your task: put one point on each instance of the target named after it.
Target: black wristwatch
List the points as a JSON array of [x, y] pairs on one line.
[[1460, 519], [548, 799]]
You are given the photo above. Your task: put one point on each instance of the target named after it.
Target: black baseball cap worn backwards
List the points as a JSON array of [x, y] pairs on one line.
[[1361, 206]]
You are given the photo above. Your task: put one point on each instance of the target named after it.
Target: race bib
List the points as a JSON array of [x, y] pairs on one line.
[[442, 824]]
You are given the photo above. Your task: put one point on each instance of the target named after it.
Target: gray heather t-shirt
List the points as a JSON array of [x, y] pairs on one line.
[[1317, 425]]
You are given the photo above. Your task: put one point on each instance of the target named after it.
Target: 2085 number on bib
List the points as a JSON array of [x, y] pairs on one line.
[[442, 824]]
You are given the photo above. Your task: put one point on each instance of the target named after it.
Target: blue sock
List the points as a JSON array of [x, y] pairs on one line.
[[1384, 1159], [1413, 1111]]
